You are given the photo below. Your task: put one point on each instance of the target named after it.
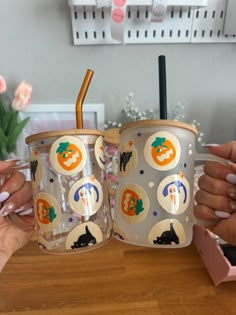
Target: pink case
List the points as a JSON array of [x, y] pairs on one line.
[[213, 257]]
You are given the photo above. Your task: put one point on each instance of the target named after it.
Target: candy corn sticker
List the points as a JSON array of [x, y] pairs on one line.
[[86, 196], [68, 155], [99, 152], [134, 203], [162, 151], [47, 211]]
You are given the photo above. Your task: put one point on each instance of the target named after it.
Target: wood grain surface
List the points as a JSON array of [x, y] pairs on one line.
[[115, 279]]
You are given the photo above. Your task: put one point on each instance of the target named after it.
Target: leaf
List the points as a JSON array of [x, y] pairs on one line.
[[62, 147], [2, 111], [3, 145], [12, 138], [12, 123], [158, 142], [7, 119]]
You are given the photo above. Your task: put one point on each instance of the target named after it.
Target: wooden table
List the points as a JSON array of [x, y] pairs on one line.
[[115, 279]]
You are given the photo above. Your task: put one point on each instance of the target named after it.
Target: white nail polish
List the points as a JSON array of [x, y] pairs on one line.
[[231, 178], [8, 208], [26, 212], [4, 195], [222, 214], [210, 145]]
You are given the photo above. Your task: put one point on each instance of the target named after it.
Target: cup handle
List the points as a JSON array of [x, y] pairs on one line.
[[211, 157]]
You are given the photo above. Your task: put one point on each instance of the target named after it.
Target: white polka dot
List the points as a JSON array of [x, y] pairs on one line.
[[151, 184]]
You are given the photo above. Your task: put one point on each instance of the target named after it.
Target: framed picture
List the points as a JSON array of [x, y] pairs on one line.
[[46, 117]]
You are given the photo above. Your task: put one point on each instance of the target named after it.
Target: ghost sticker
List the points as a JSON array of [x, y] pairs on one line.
[[68, 155], [99, 152], [173, 193], [134, 203], [47, 211], [167, 232], [162, 151], [128, 159], [84, 235], [86, 196], [36, 168]]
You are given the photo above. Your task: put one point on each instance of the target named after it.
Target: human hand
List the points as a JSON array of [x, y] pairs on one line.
[[216, 197], [15, 196]]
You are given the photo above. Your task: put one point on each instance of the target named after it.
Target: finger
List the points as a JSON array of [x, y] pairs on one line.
[[215, 186], [215, 202], [217, 170], [14, 183], [5, 164], [203, 212], [18, 199], [225, 229]]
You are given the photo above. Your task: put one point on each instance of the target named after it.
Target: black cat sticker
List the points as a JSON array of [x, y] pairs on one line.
[[128, 158], [84, 235]]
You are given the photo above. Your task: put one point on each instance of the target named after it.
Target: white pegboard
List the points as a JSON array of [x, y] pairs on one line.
[[92, 26]]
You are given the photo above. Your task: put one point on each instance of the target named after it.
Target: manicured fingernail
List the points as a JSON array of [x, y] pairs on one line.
[[24, 207], [231, 178], [232, 205], [26, 212], [232, 192], [206, 145], [222, 214], [8, 208], [4, 195]]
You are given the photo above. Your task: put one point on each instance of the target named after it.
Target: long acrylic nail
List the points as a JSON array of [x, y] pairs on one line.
[[207, 145], [4, 195], [222, 214], [7, 208], [231, 178], [26, 212], [233, 205]]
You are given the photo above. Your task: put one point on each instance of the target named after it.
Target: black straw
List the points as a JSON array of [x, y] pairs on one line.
[[162, 87]]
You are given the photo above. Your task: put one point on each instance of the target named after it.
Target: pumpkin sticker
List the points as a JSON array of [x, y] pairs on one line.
[[68, 155], [84, 235], [167, 232], [134, 203], [36, 168], [162, 151], [173, 193], [128, 159], [86, 196], [99, 152], [47, 211]]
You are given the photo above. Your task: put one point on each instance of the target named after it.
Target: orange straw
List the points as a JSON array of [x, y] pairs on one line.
[[81, 97]]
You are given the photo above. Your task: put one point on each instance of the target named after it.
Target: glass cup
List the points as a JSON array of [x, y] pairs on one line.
[[70, 193], [154, 200]]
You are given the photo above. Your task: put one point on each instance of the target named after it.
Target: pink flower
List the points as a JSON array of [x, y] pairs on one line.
[[3, 85], [22, 96]]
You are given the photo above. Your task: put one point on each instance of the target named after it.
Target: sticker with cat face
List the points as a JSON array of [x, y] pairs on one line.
[[173, 193], [47, 211], [128, 159], [99, 152], [36, 168], [85, 234], [167, 232], [86, 196], [162, 151], [68, 155], [133, 203]]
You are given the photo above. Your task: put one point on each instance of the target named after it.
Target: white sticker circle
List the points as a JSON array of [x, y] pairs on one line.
[[99, 152], [68, 155]]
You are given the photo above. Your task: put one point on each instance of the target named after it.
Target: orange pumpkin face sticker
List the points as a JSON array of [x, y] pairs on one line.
[[47, 211], [162, 150], [134, 203], [68, 155]]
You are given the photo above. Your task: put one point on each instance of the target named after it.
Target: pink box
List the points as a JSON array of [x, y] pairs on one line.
[[213, 257]]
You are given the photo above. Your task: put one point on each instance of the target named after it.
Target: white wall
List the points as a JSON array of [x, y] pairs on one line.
[[36, 45]]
